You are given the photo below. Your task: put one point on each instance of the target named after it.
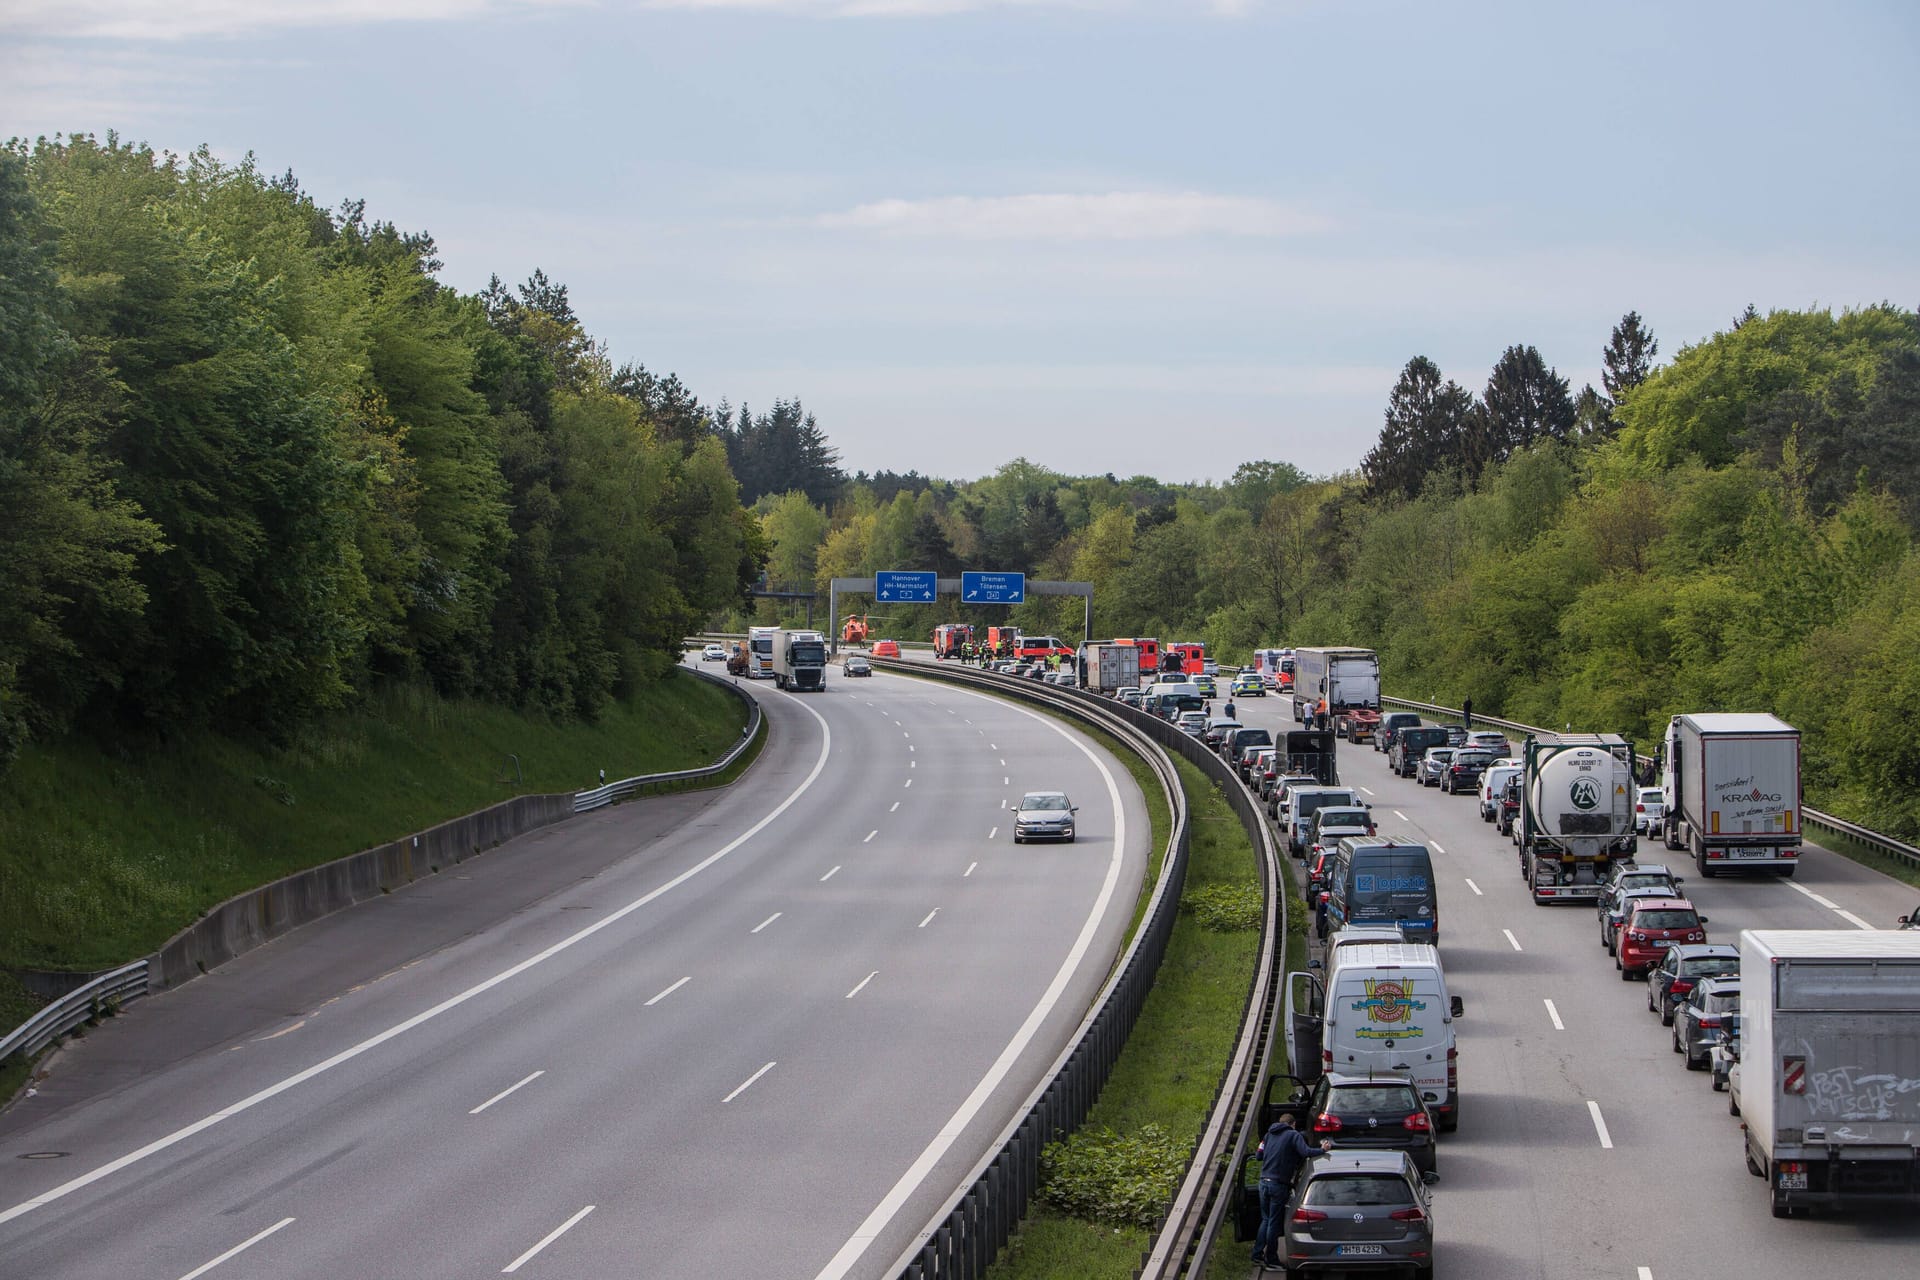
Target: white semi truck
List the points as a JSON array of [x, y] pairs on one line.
[[1731, 783], [800, 660], [1576, 813], [1828, 1082], [1349, 679]]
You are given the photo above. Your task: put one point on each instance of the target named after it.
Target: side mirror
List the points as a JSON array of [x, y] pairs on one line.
[[1429, 1176], [1074, 809], [1703, 919], [1457, 1006]]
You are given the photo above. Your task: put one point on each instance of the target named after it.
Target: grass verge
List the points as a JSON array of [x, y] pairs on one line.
[[104, 854], [1170, 1070]]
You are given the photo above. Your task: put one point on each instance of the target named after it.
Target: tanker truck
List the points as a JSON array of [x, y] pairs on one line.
[[1576, 813]]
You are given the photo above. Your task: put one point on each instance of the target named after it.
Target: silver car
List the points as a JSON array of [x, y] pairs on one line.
[[1364, 1210], [1436, 759], [1649, 811], [1044, 815]]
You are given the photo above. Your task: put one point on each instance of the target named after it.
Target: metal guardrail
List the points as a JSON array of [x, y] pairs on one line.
[[1875, 840], [583, 801], [964, 1236], [82, 1004]]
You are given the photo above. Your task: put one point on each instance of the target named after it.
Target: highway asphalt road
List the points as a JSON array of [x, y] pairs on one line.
[[762, 1031], [1585, 1148]]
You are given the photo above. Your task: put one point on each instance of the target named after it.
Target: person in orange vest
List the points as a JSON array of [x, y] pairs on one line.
[[1320, 713]]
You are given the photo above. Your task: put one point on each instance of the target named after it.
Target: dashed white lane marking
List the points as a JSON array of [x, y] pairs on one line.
[[684, 981], [907, 735], [862, 983], [911, 747], [1368, 790], [1003, 762], [504, 1092], [1436, 846], [1006, 782], [896, 805], [748, 1082], [896, 724], [991, 834], [830, 875], [909, 781], [764, 923], [1643, 1273], [1555, 1015], [1476, 888], [969, 870], [870, 836], [248, 1243], [1510, 938], [1600, 1126], [993, 746], [929, 919], [1830, 905], [1403, 817], [550, 1237]]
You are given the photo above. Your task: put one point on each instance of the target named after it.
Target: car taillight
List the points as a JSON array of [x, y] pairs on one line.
[[1309, 1215], [1328, 1123], [1639, 808], [1698, 935], [1679, 986], [1417, 1122], [1414, 1214], [1707, 1024], [1636, 935], [1791, 1166]]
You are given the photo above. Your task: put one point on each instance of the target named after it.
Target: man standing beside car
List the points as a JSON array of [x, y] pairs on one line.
[[1281, 1153]]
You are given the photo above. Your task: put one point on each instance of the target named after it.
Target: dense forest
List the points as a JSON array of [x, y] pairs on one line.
[[1733, 530], [254, 458]]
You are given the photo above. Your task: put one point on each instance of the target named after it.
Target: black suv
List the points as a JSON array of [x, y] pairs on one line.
[[1462, 773], [1393, 720], [1410, 744]]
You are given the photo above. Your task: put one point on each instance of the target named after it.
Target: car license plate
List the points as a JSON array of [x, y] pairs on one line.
[[1793, 1181], [1748, 853], [1372, 1250]]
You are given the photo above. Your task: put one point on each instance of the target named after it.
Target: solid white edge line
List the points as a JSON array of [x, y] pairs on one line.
[[883, 1213], [451, 1002], [676, 986], [1852, 919], [551, 1236], [1600, 1126], [830, 874], [861, 985], [748, 1082], [764, 923], [1555, 1015], [1476, 888], [1436, 846], [504, 1092], [1510, 938], [248, 1243]]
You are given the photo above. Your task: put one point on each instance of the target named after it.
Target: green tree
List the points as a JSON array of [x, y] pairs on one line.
[[1426, 424]]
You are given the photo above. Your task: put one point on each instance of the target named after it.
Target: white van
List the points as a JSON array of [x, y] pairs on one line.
[[1383, 1009]]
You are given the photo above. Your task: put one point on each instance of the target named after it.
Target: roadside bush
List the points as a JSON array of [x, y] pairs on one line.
[[1120, 1180], [1224, 908]]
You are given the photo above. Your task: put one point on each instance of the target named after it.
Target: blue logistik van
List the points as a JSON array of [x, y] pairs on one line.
[[1376, 881]]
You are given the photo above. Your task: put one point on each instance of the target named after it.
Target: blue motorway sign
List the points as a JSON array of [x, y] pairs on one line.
[[993, 588], [895, 584]]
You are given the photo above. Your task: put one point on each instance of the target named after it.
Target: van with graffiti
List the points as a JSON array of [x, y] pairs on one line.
[[1828, 1082], [1378, 1008]]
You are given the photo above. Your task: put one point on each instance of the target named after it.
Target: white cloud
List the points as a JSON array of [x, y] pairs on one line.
[[1116, 215], [181, 19]]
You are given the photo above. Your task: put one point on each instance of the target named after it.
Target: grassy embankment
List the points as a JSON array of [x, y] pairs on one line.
[[106, 853], [1170, 1070]]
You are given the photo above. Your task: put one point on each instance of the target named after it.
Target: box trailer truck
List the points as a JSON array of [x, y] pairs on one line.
[[1731, 787], [1828, 1082], [800, 660], [1348, 679], [1108, 666], [760, 652]]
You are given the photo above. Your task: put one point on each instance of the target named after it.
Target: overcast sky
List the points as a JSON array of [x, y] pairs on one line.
[[1160, 236]]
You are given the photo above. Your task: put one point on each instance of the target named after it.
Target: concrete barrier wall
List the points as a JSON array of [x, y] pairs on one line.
[[244, 922]]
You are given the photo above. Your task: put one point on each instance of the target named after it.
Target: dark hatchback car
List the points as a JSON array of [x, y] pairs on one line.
[[1391, 723], [1409, 744], [1361, 1211], [1684, 966], [1373, 1114], [1698, 1019], [1462, 773]]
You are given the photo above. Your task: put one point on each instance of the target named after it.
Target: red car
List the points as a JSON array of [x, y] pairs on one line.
[[886, 648], [1650, 927]]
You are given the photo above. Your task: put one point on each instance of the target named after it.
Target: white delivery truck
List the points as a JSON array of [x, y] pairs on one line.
[[1576, 813], [1382, 1008], [1731, 786], [800, 660], [760, 652], [1828, 1083], [1349, 679]]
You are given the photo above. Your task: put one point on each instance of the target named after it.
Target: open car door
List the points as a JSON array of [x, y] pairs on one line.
[[1304, 1019]]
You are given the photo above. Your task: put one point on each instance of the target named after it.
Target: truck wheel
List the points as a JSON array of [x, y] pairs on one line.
[[1733, 1103], [1786, 873]]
